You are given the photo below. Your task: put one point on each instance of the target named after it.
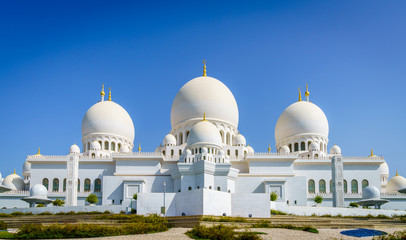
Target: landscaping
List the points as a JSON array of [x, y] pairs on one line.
[[221, 232]]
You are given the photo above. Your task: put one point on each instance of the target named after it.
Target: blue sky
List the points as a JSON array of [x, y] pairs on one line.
[[54, 56]]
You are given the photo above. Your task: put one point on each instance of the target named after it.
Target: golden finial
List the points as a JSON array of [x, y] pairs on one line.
[[307, 94], [269, 148], [109, 93], [204, 68], [204, 116], [14, 171], [39, 152], [139, 147], [300, 95], [102, 92], [372, 154], [396, 172]]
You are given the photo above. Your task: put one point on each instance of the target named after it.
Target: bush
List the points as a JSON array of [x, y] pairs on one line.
[[274, 196], [3, 225], [58, 202], [223, 219], [40, 205], [219, 232], [276, 212], [92, 199], [45, 213], [265, 224], [5, 215], [354, 205], [393, 236], [135, 196], [318, 199]]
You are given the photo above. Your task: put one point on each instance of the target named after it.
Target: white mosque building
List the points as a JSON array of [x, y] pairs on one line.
[[204, 165]]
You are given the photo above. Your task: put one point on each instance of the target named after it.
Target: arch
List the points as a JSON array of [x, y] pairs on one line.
[[55, 185], [345, 186], [87, 185], [302, 146], [322, 186], [222, 136], [228, 138], [218, 188], [296, 147], [93, 155], [316, 155], [308, 144], [172, 152], [97, 185], [78, 185], [331, 186], [180, 138], [106, 145], [64, 185], [163, 152], [236, 153], [45, 182], [180, 152], [365, 184], [209, 187], [113, 146], [187, 135], [311, 186], [118, 147], [228, 152], [88, 146], [354, 186], [321, 147], [290, 147]]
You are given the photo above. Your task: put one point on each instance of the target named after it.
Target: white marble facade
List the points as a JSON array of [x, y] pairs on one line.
[[204, 165]]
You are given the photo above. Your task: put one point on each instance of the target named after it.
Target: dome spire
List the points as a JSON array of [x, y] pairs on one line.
[[307, 92], [204, 68], [396, 173], [269, 148], [300, 95], [102, 93], [372, 153], [109, 93], [204, 117], [39, 152], [139, 147], [15, 171]]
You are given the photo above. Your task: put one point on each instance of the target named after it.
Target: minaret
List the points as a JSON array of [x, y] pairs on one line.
[[307, 94], [204, 68], [102, 93], [109, 93], [300, 95]]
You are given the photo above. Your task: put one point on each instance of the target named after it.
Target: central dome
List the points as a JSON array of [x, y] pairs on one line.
[[108, 117], [204, 95], [204, 133], [301, 118]]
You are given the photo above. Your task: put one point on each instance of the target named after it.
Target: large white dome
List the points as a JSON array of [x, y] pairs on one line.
[[204, 133], [396, 183], [204, 95], [301, 118], [108, 118], [14, 182]]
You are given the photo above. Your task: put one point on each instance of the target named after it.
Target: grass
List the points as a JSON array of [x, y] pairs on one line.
[[221, 232], [394, 236], [223, 219], [276, 212], [6, 235], [266, 224]]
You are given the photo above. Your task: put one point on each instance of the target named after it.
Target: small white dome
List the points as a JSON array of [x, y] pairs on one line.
[[314, 147], [14, 182], [301, 118], [204, 133], [384, 168], [250, 149], [169, 140], [285, 149], [205, 150], [74, 149], [26, 167], [335, 150], [221, 152], [188, 152], [239, 140], [371, 192], [39, 191], [396, 183], [107, 117], [204, 95], [125, 149], [95, 145]]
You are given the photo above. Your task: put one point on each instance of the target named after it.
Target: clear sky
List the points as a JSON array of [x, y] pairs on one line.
[[55, 55]]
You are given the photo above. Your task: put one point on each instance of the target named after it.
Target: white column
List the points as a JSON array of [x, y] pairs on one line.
[[72, 167]]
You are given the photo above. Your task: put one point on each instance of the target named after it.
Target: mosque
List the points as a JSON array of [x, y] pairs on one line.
[[204, 165]]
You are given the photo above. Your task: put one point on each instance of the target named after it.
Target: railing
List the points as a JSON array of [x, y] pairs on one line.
[[137, 154], [271, 154], [364, 158], [47, 156], [17, 192], [349, 195], [95, 157]]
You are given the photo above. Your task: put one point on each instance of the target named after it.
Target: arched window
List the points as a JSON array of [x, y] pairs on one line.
[[308, 144], [172, 152], [101, 145], [303, 146], [88, 146], [228, 152], [296, 147], [311, 186], [78, 185], [236, 152], [55, 185], [228, 139], [345, 186], [218, 189], [364, 184], [321, 147], [64, 185], [180, 138], [322, 186], [163, 152], [209, 187], [93, 155], [106, 145], [97, 185], [113, 146], [189, 188], [87, 185], [331, 186], [118, 147], [45, 182], [354, 186], [180, 152], [222, 136], [316, 155], [290, 148]]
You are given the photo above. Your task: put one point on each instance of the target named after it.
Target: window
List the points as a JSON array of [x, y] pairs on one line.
[[64, 185], [321, 147], [106, 145], [322, 186], [113, 146], [222, 136], [187, 135], [101, 145], [364, 184], [87, 185], [189, 188], [180, 138], [218, 189], [331, 186], [311, 186], [296, 147], [45, 182], [93, 155], [55, 185], [119, 147], [236, 152], [78, 185], [290, 148], [228, 152], [209, 187], [228, 139], [172, 152], [180, 152], [97, 185], [345, 186], [303, 146], [354, 186]]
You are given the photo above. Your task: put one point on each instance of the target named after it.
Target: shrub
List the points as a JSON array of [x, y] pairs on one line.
[[223, 219], [45, 213], [40, 205], [276, 212], [261, 224], [135, 196], [318, 199], [107, 212], [17, 214], [5, 215], [219, 232], [393, 236], [3, 225], [274, 196], [58, 202], [92, 199], [354, 205]]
